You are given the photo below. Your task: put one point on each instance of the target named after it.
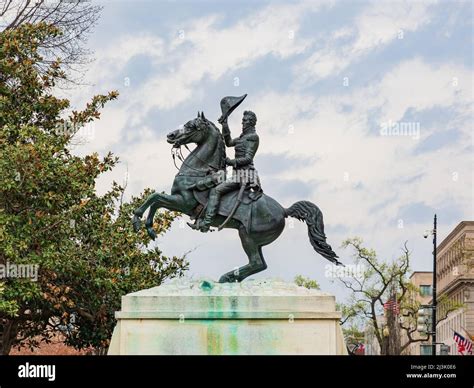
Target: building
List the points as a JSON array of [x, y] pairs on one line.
[[455, 280], [423, 281]]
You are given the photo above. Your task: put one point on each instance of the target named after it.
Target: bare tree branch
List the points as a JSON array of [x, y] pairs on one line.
[[75, 20]]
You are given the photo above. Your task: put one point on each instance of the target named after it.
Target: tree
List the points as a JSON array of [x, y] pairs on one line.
[[8, 307], [51, 219], [384, 288], [75, 20], [352, 325], [306, 282]]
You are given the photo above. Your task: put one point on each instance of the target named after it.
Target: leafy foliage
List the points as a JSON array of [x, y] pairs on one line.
[[306, 282], [381, 282], [50, 215]]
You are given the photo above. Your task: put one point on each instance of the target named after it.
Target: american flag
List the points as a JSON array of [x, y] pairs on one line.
[[393, 305], [360, 347], [464, 345]]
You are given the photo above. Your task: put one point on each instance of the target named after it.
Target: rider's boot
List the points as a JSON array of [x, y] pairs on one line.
[[204, 224]]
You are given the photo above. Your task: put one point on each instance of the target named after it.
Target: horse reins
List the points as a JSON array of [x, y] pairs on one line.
[[180, 156]]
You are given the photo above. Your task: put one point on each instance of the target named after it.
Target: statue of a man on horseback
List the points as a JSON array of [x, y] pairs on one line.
[[203, 192], [244, 174]]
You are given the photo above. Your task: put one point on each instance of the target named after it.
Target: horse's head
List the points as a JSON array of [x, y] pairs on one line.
[[194, 131]]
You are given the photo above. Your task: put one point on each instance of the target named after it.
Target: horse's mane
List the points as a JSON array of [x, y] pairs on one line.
[[220, 145]]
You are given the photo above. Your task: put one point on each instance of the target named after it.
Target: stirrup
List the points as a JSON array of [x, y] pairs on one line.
[[199, 225]]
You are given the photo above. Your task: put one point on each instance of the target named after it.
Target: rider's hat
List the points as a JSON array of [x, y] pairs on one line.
[[228, 104]]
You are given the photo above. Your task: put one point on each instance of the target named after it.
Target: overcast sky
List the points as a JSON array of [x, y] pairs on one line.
[[330, 83]]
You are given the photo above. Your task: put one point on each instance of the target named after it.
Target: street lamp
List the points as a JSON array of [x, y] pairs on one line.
[[434, 303]]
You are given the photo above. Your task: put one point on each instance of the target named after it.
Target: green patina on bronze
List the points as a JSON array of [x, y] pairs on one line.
[[206, 285], [201, 190]]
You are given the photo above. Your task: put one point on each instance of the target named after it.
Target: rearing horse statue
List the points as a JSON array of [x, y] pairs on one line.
[[259, 221]]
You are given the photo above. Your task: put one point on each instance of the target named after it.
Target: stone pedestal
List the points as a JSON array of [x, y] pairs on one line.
[[203, 317]]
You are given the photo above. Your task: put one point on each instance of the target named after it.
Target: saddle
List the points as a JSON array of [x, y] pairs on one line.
[[243, 213]]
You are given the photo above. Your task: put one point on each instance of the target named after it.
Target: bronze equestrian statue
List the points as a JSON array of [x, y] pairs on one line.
[[202, 190], [246, 146]]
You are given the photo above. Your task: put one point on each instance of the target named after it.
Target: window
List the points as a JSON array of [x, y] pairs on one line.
[[426, 290], [425, 350]]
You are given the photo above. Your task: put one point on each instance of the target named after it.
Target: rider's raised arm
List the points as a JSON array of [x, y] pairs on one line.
[[250, 150], [229, 142]]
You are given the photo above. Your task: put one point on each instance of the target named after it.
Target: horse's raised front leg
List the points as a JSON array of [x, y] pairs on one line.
[[138, 213], [155, 200], [149, 221]]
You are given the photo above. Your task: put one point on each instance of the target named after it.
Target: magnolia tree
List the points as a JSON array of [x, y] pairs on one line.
[[67, 255]]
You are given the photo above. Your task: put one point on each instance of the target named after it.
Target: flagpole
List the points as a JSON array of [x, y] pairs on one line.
[[434, 304]]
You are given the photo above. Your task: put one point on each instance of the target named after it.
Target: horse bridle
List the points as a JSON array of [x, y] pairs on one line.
[[176, 152], [180, 156]]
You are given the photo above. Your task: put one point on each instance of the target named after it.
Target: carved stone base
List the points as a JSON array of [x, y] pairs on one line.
[[252, 317]]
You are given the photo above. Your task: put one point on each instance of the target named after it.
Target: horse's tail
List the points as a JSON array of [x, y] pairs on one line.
[[308, 212]]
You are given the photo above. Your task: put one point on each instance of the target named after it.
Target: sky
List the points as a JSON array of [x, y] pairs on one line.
[[364, 108]]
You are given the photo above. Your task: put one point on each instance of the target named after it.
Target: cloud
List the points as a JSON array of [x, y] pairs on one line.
[[202, 49], [355, 167], [416, 84], [209, 50], [112, 58], [379, 24], [274, 164]]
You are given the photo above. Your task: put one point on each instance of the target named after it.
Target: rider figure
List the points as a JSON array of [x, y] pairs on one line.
[[244, 173]]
